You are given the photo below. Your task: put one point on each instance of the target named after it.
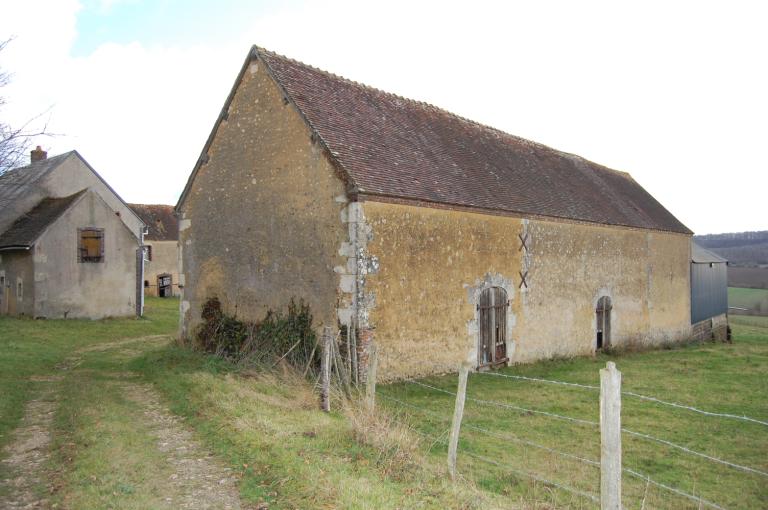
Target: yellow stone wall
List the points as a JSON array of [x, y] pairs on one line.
[[262, 221], [433, 261]]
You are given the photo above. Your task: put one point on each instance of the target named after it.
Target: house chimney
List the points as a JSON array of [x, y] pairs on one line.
[[38, 155]]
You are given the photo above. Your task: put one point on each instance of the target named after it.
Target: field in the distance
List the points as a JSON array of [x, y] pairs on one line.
[[755, 300], [717, 377], [752, 277]]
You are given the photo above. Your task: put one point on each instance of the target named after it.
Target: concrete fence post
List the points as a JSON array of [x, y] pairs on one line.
[[610, 438], [458, 413], [325, 370]]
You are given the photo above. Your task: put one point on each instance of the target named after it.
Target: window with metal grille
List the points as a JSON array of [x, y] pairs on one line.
[[90, 245]]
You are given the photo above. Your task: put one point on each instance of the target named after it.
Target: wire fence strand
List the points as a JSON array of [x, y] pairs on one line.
[[506, 437], [697, 499], [516, 439], [537, 379], [694, 409], [534, 476], [634, 395], [694, 452], [512, 407]]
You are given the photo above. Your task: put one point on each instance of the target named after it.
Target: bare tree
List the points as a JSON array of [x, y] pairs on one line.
[[15, 141]]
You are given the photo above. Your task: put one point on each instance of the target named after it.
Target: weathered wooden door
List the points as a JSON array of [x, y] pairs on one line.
[[492, 318], [603, 313], [164, 285]]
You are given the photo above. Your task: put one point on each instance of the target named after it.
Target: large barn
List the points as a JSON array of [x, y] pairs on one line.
[[440, 239]]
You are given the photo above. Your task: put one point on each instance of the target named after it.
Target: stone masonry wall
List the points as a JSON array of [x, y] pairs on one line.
[[432, 264], [266, 217]]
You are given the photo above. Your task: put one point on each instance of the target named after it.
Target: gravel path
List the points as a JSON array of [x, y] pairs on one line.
[[198, 479]]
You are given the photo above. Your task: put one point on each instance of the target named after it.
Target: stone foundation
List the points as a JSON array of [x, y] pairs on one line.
[[715, 328]]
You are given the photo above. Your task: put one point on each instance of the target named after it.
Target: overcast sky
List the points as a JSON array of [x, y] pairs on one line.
[[676, 93]]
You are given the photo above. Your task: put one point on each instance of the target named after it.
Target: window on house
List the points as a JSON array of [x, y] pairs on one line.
[[149, 252], [91, 245]]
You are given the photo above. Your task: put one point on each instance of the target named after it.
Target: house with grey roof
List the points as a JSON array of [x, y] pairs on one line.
[[437, 239], [69, 245]]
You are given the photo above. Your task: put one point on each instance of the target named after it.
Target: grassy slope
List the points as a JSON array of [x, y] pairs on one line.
[[747, 298], [719, 377], [266, 427], [34, 347], [287, 453]]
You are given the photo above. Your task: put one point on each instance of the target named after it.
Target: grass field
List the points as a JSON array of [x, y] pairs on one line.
[[266, 427], [723, 378], [751, 277], [753, 299], [34, 347]]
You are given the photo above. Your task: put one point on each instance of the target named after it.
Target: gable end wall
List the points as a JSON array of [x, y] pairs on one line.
[[264, 218]]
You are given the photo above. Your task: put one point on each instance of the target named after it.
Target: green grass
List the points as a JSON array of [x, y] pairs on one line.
[[265, 426], [287, 453], [104, 454], [724, 378], [34, 347], [753, 299], [284, 452]]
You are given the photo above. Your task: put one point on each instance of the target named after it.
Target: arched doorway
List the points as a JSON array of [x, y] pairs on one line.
[[492, 322], [603, 315]]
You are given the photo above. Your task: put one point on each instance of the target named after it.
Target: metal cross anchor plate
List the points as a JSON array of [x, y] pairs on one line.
[[523, 239], [523, 276]]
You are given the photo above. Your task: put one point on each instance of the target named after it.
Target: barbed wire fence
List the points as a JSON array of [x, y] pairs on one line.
[[609, 467]]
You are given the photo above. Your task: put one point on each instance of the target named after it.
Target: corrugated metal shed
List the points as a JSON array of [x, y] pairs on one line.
[[709, 284]]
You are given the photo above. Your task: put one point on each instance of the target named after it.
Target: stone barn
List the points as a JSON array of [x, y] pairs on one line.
[[161, 249], [440, 239]]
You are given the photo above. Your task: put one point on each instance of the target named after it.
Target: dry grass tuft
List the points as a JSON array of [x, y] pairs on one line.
[[398, 445]]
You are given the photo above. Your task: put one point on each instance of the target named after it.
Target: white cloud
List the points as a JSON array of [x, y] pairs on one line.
[[671, 92]]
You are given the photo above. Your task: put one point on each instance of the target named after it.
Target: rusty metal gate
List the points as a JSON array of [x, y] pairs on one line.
[[492, 318]]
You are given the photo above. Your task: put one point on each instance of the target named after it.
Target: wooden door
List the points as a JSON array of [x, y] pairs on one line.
[[603, 321], [492, 318]]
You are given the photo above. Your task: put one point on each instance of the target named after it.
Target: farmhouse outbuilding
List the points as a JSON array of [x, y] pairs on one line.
[[709, 294], [69, 245], [442, 240], [161, 249]]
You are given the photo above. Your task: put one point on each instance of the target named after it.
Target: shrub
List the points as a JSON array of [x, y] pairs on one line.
[[278, 336]]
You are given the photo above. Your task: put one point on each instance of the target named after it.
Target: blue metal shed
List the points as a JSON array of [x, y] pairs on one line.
[[709, 284]]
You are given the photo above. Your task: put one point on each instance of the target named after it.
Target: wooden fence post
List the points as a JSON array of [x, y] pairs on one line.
[[325, 370], [370, 383], [458, 413], [610, 438]]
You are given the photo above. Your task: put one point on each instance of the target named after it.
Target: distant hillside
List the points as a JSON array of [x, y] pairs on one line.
[[745, 249]]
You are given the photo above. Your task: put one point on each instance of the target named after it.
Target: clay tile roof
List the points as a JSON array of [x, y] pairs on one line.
[[389, 146], [28, 227], [160, 221]]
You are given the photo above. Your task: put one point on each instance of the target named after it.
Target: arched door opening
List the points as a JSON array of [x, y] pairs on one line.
[[492, 320], [603, 313]]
